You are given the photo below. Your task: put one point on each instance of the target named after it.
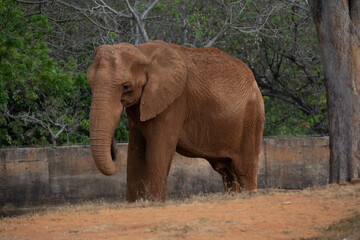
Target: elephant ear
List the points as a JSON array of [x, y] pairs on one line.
[[166, 78]]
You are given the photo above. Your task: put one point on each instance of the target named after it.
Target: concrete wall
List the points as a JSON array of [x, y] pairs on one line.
[[38, 176]]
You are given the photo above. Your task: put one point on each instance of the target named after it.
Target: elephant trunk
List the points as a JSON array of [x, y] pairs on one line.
[[103, 145]]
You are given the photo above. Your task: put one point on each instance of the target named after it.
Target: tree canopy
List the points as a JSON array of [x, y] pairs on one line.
[[46, 47]]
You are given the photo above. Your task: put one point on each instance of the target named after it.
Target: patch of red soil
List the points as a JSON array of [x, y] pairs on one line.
[[277, 215]]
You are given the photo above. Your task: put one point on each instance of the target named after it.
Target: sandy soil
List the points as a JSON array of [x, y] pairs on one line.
[[264, 215]]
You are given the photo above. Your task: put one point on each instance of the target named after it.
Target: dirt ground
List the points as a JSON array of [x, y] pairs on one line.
[[267, 214]]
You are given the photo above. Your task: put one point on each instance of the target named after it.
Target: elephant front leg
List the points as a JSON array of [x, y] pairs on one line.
[[159, 157], [160, 149], [136, 167], [162, 135]]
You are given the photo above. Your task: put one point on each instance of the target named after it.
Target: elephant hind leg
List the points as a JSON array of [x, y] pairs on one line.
[[227, 171], [246, 172], [248, 181]]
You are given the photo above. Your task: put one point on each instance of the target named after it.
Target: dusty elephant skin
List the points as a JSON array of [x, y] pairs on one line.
[[198, 102]]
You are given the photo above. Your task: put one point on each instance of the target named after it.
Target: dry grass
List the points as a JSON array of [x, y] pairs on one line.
[[322, 192], [348, 228], [100, 204], [332, 195]]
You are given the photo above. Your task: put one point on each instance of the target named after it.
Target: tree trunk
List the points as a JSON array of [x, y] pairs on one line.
[[53, 141], [338, 27]]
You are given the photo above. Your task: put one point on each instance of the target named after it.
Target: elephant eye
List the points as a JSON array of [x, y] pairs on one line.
[[126, 87]]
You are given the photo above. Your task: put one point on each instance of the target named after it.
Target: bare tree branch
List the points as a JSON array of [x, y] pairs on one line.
[[139, 21], [33, 2], [114, 11], [226, 27], [146, 12]]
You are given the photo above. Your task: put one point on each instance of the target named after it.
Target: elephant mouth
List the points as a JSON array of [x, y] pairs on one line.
[[113, 149], [127, 103]]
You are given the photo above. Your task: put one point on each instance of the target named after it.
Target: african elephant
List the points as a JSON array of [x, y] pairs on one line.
[[198, 102]]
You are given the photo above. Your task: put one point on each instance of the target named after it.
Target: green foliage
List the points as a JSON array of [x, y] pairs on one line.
[[112, 34], [282, 119], [121, 133], [42, 101], [29, 78], [198, 17]]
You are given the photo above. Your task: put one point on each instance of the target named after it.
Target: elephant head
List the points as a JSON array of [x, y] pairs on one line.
[[151, 75]]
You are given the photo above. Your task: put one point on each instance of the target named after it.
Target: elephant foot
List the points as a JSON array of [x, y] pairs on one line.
[[229, 180], [248, 183]]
